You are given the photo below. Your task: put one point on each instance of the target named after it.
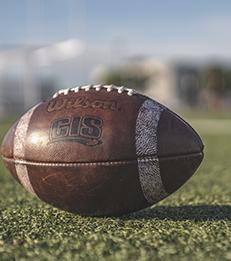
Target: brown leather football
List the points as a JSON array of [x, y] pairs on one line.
[[101, 150]]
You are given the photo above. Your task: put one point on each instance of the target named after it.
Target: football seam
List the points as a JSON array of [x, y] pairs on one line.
[[98, 163]]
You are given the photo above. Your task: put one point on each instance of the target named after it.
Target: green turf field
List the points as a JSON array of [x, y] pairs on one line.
[[192, 224]]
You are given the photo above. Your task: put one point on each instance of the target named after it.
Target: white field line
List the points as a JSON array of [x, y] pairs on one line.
[[212, 126]]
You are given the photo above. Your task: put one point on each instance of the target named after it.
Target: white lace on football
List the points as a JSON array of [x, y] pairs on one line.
[[96, 87]]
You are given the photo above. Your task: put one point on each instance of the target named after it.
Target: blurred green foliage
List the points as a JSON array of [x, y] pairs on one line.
[[130, 77]]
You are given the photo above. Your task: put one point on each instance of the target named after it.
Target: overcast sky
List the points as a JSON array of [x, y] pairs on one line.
[[163, 28]]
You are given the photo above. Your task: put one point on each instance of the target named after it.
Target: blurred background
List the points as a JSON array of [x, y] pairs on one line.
[[177, 52]]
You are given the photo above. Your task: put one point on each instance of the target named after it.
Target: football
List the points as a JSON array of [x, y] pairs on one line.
[[101, 150]]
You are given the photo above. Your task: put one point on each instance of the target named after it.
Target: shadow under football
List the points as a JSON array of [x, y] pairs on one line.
[[183, 213]]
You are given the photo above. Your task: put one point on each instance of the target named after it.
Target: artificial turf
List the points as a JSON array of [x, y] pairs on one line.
[[192, 224]]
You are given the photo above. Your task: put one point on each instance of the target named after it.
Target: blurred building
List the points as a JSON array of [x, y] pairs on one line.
[[175, 84], [20, 84], [31, 74]]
